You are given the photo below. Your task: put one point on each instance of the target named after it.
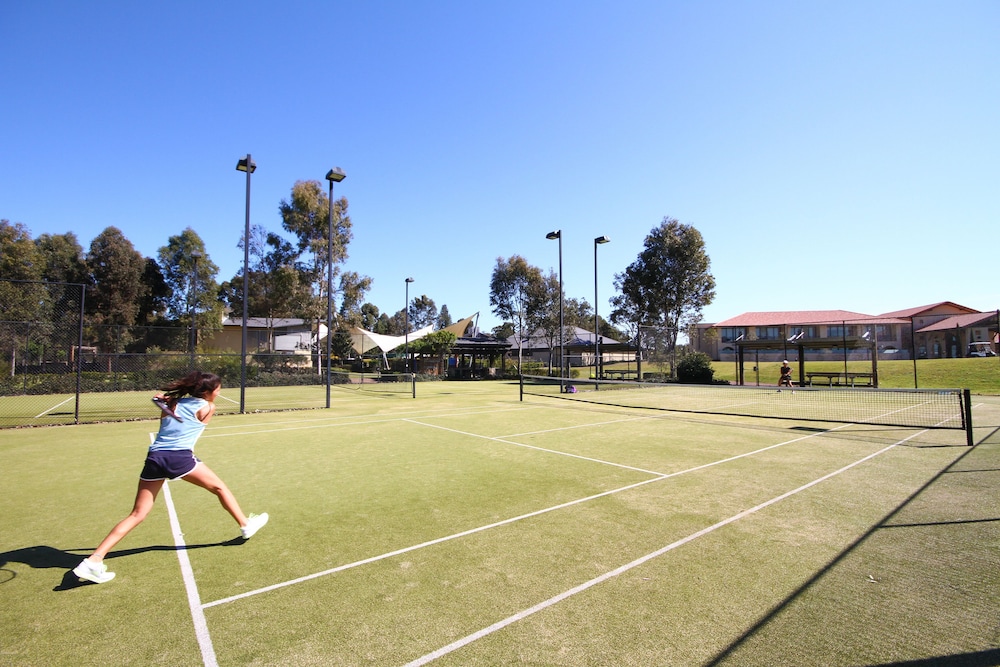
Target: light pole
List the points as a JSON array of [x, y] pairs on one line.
[[194, 304], [600, 240], [335, 175], [406, 326], [562, 332], [247, 165]]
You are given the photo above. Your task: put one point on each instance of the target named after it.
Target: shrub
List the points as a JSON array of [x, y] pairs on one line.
[[695, 368]]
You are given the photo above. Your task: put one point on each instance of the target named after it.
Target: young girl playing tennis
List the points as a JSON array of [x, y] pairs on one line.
[[189, 404]]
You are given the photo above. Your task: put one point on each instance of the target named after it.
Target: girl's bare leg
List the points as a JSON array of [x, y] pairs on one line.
[[145, 496], [203, 476]]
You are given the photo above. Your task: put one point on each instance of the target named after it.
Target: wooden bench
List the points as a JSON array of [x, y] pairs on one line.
[[839, 377], [617, 375]]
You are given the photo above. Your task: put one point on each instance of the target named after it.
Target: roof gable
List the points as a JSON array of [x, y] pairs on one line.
[[939, 308]]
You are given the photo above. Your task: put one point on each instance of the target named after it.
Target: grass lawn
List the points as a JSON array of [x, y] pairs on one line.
[[981, 375]]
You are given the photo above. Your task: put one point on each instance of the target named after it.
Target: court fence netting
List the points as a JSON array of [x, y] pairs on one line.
[[58, 366], [907, 408]]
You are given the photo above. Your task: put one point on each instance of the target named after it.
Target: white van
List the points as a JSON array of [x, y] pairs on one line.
[[981, 349]]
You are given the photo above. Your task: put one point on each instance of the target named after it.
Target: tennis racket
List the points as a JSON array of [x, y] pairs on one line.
[[163, 405]]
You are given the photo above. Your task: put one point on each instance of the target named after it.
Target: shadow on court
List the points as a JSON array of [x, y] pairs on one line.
[[972, 463], [43, 557], [989, 658]]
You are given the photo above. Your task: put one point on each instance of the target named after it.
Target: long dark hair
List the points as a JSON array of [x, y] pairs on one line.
[[195, 383]]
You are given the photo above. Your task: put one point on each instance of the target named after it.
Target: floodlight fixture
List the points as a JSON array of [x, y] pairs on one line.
[[244, 161]]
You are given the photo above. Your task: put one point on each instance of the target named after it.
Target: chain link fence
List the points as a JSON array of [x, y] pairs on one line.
[[58, 369], [659, 352]]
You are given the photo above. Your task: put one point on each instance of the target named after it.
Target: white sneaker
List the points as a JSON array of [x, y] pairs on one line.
[[254, 523], [96, 572]]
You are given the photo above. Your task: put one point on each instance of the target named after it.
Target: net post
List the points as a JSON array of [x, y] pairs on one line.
[[520, 377], [413, 384], [967, 416]]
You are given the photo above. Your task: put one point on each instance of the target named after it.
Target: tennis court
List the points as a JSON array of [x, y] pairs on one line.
[[468, 527]]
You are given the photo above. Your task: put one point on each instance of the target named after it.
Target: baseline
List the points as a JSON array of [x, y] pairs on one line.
[[57, 405]]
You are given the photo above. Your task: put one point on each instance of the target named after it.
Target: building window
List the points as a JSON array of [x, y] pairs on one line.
[[768, 333], [729, 334]]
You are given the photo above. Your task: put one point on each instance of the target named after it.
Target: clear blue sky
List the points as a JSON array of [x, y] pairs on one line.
[[834, 155]]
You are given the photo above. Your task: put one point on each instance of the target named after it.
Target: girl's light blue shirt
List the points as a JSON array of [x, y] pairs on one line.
[[179, 435]]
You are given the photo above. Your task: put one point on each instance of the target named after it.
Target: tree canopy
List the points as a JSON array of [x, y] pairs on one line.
[[519, 295], [668, 284]]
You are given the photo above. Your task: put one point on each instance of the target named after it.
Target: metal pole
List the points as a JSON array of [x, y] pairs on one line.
[[967, 416], [913, 351], [597, 327], [843, 335], [406, 327], [562, 329], [79, 355], [246, 291], [194, 303], [329, 295]]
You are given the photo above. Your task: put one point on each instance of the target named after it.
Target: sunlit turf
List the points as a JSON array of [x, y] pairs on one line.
[[401, 526]]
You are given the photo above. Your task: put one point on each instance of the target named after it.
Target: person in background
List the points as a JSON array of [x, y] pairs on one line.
[[786, 375]]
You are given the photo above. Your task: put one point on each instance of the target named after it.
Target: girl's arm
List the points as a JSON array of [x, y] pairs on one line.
[[205, 414]]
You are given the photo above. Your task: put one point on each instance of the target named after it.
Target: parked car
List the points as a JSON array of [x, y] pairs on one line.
[[981, 349]]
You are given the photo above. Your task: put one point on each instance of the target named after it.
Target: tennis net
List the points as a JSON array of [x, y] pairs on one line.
[[376, 383], [911, 408]]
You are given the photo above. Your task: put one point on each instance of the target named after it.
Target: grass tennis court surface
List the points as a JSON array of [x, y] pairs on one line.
[[468, 528]]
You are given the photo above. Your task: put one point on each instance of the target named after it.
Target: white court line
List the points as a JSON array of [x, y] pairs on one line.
[[341, 421], [468, 639], [190, 585], [45, 412], [446, 538], [540, 449], [472, 531], [566, 428], [621, 465]]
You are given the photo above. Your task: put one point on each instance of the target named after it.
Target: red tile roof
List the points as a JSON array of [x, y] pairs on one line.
[[779, 317], [962, 321], [911, 312]]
